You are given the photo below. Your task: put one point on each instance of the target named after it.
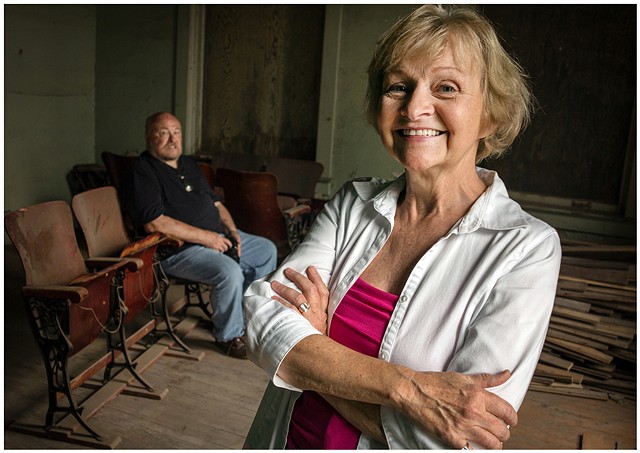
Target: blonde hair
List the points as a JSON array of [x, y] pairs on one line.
[[508, 101]]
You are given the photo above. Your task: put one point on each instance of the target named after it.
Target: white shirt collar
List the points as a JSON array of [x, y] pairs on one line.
[[487, 212]]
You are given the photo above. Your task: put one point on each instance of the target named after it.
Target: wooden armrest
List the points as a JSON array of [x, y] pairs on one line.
[[152, 240], [108, 264], [171, 242], [101, 262], [74, 294], [297, 211], [105, 266]]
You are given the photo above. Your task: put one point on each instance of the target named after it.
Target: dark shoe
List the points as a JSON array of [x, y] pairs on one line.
[[233, 348]]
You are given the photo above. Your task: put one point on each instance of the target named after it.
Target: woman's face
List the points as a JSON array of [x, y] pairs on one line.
[[431, 113]]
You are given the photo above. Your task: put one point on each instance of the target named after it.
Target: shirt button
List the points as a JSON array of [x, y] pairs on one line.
[[404, 298]]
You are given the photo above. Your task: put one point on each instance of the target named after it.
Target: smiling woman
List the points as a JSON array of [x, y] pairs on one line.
[[431, 114], [394, 321]]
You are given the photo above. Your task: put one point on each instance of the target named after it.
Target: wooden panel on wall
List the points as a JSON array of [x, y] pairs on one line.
[[582, 63], [262, 79]]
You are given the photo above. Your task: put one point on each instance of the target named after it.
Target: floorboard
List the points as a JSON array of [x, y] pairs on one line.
[[210, 403]]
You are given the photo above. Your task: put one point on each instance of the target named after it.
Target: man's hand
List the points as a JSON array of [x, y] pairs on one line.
[[188, 233], [236, 237], [457, 409], [215, 241]]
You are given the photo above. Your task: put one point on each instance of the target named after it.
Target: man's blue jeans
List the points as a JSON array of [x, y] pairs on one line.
[[228, 279]]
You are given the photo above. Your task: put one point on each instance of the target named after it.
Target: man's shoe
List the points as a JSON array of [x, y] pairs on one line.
[[233, 348]]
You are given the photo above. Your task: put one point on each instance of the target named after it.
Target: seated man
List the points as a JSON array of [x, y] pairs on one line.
[[167, 192]]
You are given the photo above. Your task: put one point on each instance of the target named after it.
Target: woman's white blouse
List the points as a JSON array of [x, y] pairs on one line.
[[478, 301]]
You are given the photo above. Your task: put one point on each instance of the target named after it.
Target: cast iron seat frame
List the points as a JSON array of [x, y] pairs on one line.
[[68, 305]]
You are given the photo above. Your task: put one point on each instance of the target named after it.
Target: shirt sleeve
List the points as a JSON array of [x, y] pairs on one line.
[[511, 326], [146, 192], [273, 329], [508, 332]]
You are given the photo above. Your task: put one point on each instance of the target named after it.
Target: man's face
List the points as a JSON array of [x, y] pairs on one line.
[[164, 138]]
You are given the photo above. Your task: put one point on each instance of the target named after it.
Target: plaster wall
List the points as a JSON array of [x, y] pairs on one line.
[[348, 146], [135, 72], [49, 99]]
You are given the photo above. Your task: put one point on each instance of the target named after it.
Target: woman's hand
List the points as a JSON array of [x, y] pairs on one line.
[[311, 299], [457, 408]]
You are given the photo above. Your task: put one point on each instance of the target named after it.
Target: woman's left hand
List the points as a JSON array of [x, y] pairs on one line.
[[311, 299]]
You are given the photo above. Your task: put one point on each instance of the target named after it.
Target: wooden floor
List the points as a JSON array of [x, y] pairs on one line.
[[210, 403]]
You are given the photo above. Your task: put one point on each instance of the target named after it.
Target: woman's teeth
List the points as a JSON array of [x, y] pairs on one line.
[[427, 132]]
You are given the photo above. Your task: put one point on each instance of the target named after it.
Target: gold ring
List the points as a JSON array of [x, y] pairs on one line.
[[304, 307]]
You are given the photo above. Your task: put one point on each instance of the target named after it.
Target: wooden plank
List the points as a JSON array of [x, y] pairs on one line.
[[572, 304], [82, 439], [631, 323], [119, 382], [595, 336], [580, 350], [596, 284], [576, 339], [557, 374], [593, 371], [617, 384], [599, 248], [103, 361], [614, 276], [597, 263], [613, 331], [574, 286], [130, 390], [579, 392], [555, 361], [577, 315], [597, 441], [593, 297], [598, 310]]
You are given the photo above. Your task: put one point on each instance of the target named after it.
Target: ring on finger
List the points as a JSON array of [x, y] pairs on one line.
[[304, 307]]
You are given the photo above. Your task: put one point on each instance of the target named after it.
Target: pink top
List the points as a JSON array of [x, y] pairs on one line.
[[359, 323]]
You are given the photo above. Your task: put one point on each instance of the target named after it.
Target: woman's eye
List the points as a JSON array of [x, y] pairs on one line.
[[447, 89], [397, 90]]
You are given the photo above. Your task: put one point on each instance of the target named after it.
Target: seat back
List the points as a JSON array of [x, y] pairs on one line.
[[117, 166], [44, 237], [252, 199], [87, 176], [295, 176], [210, 175], [100, 217]]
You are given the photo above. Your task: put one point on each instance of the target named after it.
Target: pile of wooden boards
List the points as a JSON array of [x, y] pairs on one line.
[[590, 348]]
